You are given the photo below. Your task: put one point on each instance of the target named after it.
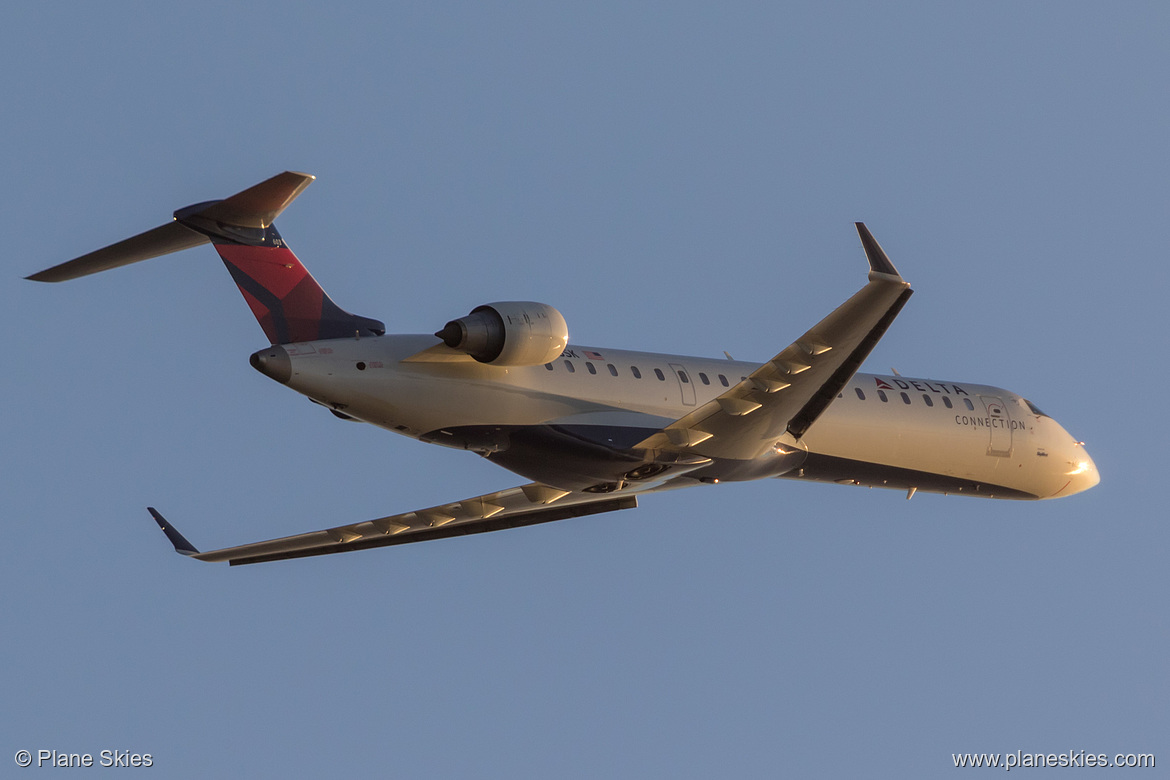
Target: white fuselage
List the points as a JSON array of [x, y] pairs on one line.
[[883, 431]]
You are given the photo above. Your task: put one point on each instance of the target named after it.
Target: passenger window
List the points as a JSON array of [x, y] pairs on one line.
[[723, 381], [703, 378], [612, 370], [905, 398], [947, 402], [743, 379], [658, 373], [882, 395], [928, 399], [589, 366], [634, 370], [860, 394], [548, 366], [683, 376], [569, 366], [970, 406]]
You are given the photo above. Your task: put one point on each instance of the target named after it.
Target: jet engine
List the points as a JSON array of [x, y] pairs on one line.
[[509, 333]]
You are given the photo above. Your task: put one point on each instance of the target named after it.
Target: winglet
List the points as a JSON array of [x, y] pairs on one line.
[[879, 263], [182, 546]]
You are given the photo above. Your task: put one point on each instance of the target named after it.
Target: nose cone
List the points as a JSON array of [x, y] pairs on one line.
[[273, 362], [1083, 474]]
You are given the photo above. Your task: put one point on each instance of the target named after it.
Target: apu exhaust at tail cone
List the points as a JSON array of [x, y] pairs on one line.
[[286, 300]]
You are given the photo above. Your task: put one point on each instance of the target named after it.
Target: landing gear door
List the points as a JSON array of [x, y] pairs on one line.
[[1000, 425]]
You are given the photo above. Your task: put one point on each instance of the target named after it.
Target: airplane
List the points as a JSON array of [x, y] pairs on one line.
[[596, 428]]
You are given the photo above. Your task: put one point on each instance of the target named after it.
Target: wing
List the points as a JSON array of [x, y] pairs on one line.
[[525, 505], [789, 392]]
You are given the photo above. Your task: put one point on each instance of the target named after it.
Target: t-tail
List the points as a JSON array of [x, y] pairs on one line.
[[285, 298]]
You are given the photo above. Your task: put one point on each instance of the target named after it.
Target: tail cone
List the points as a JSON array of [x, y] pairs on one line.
[[273, 362]]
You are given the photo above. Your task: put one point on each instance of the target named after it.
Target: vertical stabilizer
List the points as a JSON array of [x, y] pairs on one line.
[[286, 300]]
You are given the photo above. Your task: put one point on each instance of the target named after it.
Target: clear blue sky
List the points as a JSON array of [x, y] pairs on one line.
[[672, 177]]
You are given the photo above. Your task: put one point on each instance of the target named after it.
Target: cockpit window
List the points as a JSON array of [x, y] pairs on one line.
[[1035, 409]]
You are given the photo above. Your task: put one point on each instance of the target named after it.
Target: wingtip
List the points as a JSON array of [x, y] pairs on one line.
[[182, 546], [879, 262]]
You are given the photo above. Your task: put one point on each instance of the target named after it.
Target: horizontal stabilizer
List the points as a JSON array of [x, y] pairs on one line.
[[259, 206], [253, 209], [171, 237]]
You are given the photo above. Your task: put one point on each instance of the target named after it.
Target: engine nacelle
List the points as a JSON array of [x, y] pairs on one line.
[[509, 333]]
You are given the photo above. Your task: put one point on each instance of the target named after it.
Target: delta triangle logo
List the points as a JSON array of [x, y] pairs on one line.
[[882, 385]]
